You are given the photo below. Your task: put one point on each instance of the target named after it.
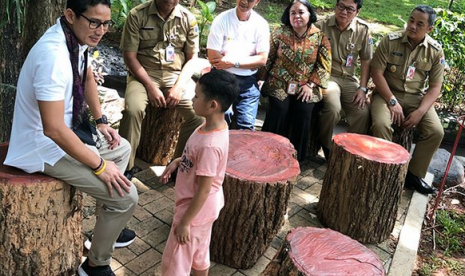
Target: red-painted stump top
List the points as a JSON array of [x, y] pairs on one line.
[[261, 157], [14, 175], [324, 252], [372, 148]]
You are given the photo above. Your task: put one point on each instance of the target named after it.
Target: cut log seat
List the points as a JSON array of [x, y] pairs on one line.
[[362, 187], [261, 171], [40, 223]]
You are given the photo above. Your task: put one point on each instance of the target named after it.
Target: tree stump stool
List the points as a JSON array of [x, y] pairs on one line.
[[362, 187], [261, 171], [159, 135], [40, 223], [403, 137], [322, 252]]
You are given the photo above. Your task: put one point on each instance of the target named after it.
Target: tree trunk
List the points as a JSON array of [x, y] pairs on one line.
[[362, 187], [159, 135], [14, 46], [316, 252], [403, 137], [261, 172], [40, 224]]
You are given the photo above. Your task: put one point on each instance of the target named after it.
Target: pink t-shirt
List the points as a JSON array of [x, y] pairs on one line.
[[205, 154]]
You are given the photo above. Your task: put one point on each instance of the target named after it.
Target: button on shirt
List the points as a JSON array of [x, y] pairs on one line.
[[355, 40], [394, 56], [148, 34]]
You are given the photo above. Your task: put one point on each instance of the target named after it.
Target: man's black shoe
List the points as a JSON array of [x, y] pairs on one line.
[[125, 238], [326, 152], [86, 270], [414, 182], [129, 174]]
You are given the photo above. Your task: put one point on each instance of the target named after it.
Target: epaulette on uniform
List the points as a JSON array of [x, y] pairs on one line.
[[436, 45], [141, 7], [363, 22], [395, 35]]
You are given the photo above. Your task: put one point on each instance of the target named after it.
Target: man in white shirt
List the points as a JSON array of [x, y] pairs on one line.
[[50, 124], [239, 42]]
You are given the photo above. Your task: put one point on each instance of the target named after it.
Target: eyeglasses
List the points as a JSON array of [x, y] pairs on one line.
[[342, 7], [94, 24]]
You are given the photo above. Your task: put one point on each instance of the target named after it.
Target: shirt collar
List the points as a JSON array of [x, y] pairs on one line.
[[332, 23], [423, 43], [175, 13]]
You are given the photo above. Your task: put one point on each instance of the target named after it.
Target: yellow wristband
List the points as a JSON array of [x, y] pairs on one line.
[[102, 169]]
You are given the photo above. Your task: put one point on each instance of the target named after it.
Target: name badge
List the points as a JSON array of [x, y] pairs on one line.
[[292, 87], [350, 60], [169, 53], [410, 72]]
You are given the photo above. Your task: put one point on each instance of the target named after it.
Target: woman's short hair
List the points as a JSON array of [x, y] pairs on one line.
[[285, 18]]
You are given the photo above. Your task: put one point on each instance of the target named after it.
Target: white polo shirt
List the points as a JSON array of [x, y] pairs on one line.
[[46, 75], [230, 36]]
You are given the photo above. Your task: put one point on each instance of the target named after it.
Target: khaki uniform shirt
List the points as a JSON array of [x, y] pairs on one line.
[[355, 40], [148, 34], [395, 57]]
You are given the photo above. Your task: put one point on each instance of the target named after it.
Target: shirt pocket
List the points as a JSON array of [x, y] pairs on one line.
[[148, 37], [178, 41], [422, 70], [395, 66]]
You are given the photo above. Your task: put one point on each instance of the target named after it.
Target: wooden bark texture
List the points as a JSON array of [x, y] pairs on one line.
[[322, 252], [7, 102], [403, 137], [254, 208], [159, 135], [362, 187], [40, 224]]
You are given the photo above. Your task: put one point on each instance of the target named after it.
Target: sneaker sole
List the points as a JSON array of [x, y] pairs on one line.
[[88, 243], [81, 271]]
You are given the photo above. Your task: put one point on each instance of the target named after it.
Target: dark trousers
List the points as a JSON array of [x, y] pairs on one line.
[[290, 118]]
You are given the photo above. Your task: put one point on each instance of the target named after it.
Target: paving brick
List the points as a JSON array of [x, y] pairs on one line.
[[292, 209], [315, 189], [305, 182], [165, 215], [306, 196], [238, 273], [153, 271], [257, 268], [124, 255], [140, 186], [144, 262], [382, 255], [122, 271], [167, 191], [276, 243], [144, 227], [158, 236], [298, 221], [145, 175], [141, 214], [138, 246], [270, 252], [148, 197], [159, 204], [221, 270], [132, 221], [114, 264], [161, 247], [284, 229], [318, 174]]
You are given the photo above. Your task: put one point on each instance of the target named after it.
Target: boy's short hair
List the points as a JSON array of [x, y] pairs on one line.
[[221, 86], [80, 6]]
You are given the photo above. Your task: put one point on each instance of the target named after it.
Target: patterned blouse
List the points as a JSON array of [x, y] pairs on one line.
[[304, 59]]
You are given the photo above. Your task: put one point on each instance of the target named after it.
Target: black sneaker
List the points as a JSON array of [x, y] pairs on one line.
[[85, 270], [125, 238], [129, 174]]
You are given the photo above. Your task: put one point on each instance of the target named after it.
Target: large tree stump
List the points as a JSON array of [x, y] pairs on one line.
[[262, 169], [362, 187], [159, 135], [40, 224], [322, 252], [403, 137]]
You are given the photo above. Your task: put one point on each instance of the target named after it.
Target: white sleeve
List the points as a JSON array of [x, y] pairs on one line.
[[263, 38], [215, 37], [51, 77]]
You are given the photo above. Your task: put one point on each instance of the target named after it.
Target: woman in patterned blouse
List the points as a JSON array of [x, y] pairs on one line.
[[298, 66]]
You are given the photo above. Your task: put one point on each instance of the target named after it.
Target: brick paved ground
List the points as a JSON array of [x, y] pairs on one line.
[[153, 217]]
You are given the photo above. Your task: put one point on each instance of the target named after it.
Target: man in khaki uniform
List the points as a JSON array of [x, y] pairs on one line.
[[350, 39], [158, 38], [407, 69]]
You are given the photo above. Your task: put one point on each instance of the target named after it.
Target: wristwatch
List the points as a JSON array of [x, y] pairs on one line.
[[237, 64], [392, 102], [364, 89], [102, 120]]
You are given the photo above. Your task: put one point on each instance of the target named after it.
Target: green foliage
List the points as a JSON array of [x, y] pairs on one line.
[[452, 231], [449, 32], [18, 6], [120, 10], [204, 19]]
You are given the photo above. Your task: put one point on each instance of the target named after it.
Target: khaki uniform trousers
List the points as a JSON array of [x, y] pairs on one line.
[[113, 212], [429, 128], [136, 100], [338, 96]]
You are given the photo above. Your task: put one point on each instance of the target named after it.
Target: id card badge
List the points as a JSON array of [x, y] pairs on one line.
[[410, 72], [350, 60], [169, 53], [292, 87]]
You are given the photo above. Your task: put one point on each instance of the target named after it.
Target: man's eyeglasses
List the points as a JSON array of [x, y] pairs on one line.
[[342, 7], [94, 24]]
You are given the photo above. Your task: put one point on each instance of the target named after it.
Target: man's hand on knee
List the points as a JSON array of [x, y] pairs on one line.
[[113, 178]]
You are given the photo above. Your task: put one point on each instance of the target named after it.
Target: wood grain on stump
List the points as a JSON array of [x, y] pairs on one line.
[[159, 135], [403, 137], [362, 187], [322, 252], [261, 171], [40, 223]]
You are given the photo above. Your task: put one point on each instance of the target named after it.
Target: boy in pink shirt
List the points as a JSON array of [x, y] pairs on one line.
[[201, 170]]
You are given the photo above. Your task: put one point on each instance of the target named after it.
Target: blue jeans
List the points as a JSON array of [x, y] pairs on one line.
[[245, 107]]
